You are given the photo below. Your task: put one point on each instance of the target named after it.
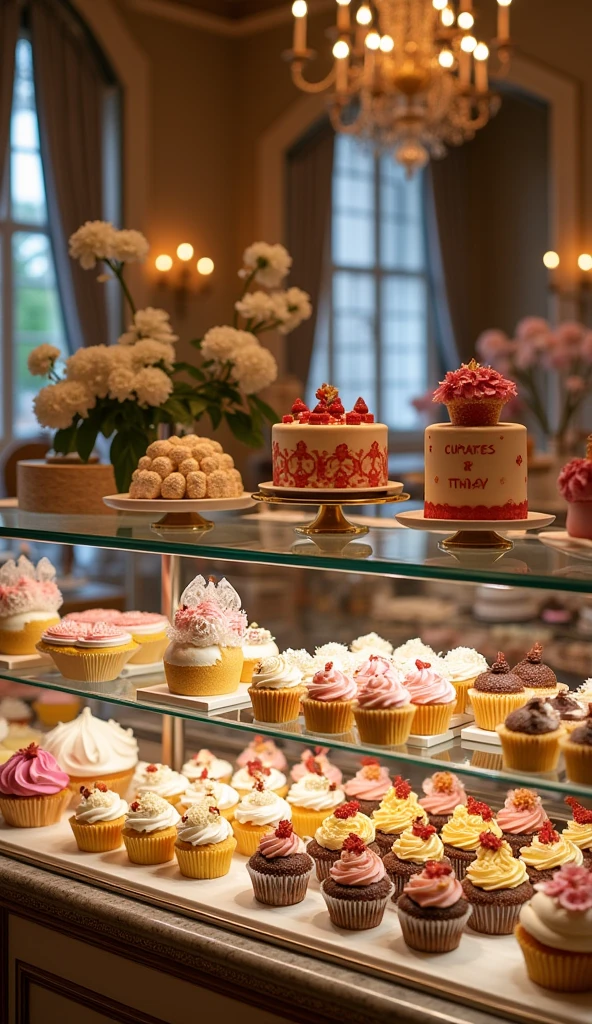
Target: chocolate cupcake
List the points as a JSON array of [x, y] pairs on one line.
[[432, 910], [357, 888], [530, 737], [496, 886], [495, 694], [280, 869], [536, 675], [548, 852], [570, 711], [410, 852], [520, 818], [577, 750], [325, 849], [579, 829]]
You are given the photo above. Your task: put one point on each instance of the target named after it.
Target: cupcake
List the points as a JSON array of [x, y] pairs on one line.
[[328, 706], [276, 690], [555, 932], [150, 830], [397, 811], [33, 789], [577, 751], [162, 780], [461, 834], [575, 485], [15, 711], [548, 852], [91, 750], [328, 840], [371, 666], [244, 779], [496, 885], [530, 737], [383, 709], [443, 792], [217, 767], [464, 665], [495, 694], [371, 643], [432, 909], [535, 675], [311, 800], [369, 785], [433, 697], [98, 820], [205, 655], [92, 615], [258, 813], [149, 632], [319, 758], [405, 656], [520, 818], [579, 829], [54, 706], [258, 645], [357, 889], [205, 843], [88, 654], [571, 712], [218, 794], [339, 654], [265, 751], [301, 660], [29, 603], [280, 868], [20, 736], [474, 395], [410, 853]]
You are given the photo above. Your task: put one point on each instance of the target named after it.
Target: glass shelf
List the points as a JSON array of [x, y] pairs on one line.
[[269, 538], [470, 759]]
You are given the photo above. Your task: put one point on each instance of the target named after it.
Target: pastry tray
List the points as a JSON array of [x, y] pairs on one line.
[[160, 694], [485, 971]]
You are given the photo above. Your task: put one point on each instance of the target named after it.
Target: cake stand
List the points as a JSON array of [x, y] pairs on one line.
[[330, 518], [475, 535], [182, 515]]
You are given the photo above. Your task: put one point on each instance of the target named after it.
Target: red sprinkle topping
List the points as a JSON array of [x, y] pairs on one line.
[[354, 844], [312, 766], [347, 810], [85, 792], [102, 787], [135, 806], [580, 814], [490, 841], [547, 834], [422, 664], [401, 787], [152, 768], [365, 761], [423, 831], [299, 406], [480, 808], [284, 829], [30, 752], [437, 868], [259, 785], [255, 767], [204, 774], [213, 810], [361, 407]]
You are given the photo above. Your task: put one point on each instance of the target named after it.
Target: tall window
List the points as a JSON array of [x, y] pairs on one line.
[[373, 326], [30, 304]]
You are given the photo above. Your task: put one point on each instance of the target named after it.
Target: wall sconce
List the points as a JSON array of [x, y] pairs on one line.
[[184, 281], [582, 281]]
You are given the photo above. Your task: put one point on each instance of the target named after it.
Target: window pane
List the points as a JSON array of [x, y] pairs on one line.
[[353, 242], [37, 319], [401, 236], [28, 193], [24, 133], [354, 350], [27, 188], [404, 346]]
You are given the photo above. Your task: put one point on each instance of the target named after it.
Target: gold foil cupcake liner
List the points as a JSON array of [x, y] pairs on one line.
[[100, 837], [552, 968], [248, 836], [578, 761], [525, 753], [100, 666], [355, 915], [150, 847], [328, 716], [462, 687], [206, 680], [281, 705], [432, 719], [210, 861], [34, 811], [432, 936], [279, 890], [385, 727], [305, 822], [491, 709]]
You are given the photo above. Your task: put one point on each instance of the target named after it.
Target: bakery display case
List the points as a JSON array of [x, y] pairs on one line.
[[312, 592]]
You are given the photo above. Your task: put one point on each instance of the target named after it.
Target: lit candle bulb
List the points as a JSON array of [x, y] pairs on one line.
[[341, 54], [551, 259], [299, 10], [503, 20], [343, 15], [481, 53], [364, 20]]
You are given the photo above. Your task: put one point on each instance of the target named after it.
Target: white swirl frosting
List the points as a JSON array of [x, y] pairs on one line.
[[264, 808], [159, 778], [465, 663], [201, 828], [217, 768], [276, 673], [89, 746], [100, 806], [218, 793], [242, 780], [314, 792], [151, 813], [554, 926]]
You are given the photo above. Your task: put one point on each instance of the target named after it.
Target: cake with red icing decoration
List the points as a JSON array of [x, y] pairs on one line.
[[327, 448], [475, 467], [575, 485]]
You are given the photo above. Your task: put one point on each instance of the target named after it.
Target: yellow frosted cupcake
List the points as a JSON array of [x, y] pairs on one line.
[[530, 737], [98, 819], [150, 830], [496, 885], [312, 799], [162, 780], [383, 711], [328, 706], [276, 690], [409, 854], [460, 834], [29, 603], [547, 852], [88, 654], [346, 820], [579, 829], [398, 810], [206, 790], [464, 665], [205, 843], [258, 645], [259, 812], [433, 697], [577, 751], [92, 750], [244, 779], [33, 789], [495, 694]]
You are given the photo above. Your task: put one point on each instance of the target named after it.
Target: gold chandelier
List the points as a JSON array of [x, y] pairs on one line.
[[408, 75]]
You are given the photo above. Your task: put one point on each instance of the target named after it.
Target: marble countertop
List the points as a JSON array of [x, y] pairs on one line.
[[305, 987]]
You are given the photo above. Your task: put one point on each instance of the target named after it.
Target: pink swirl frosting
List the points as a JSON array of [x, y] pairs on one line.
[[32, 772], [330, 683], [575, 480], [474, 381], [94, 615], [376, 665], [522, 812], [76, 631], [429, 891], [141, 619], [371, 782], [330, 771], [442, 796], [353, 868], [267, 752], [383, 691], [427, 686], [272, 845]]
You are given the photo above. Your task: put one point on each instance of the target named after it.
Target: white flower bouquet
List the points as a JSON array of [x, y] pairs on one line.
[[125, 391]]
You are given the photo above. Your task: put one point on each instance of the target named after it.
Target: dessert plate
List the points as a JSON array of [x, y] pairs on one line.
[[416, 521], [123, 503], [561, 540], [316, 494]]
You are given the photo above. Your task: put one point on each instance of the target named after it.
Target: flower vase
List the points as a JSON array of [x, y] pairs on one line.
[[64, 485]]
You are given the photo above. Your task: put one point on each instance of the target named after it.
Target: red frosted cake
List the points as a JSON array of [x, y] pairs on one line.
[[329, 449], [475, 467]]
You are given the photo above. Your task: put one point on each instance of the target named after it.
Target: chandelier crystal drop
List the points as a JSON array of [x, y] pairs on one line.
[[410, 77]]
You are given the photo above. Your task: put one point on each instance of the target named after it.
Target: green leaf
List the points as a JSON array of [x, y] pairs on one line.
[[193, 371], [245, 428], [196, 342], [215, 415], [64, 440], [127, 448], [176, 410], [264, 409], [86, 436], [198, 406]]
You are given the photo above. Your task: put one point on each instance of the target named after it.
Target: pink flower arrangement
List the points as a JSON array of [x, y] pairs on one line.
[[571, 886]]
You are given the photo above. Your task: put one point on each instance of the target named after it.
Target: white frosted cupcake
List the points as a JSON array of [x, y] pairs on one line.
[[205, 843], [91, 750], [276, 690], [162, 780], [98, 820], [217, 767], [312, 798], [371, 643], [210, 792], [464, 665], [258, 645], [259, 812], [150, 830], [15, 711], [29, 603], [245, 779]]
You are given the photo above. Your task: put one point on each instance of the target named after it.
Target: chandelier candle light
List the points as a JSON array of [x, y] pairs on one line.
[[408, 75]]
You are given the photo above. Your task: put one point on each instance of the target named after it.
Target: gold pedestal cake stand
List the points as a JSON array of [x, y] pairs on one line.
[[474, 535], [330, 519]]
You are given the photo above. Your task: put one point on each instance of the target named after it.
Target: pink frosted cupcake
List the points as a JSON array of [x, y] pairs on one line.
[[328, 707], [265, 751], [33, 789], [369, 785], [374, 665], [383, 711], [316, 761], [443, 792], [575, 485], [29, 603], [474, 395], [433, 697], [281, 868], [357, 889], [520, 818], [433, 910]]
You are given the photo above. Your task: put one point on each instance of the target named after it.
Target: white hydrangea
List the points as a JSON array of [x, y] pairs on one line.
[[41, 359], [128, 246], [291, 307], [272, 263], [223, 343], [56, 405], [92, 241], [257, 306], [91, 366], [152, 386], [121, 383], [147, 352], [149, 323], [254, 368]]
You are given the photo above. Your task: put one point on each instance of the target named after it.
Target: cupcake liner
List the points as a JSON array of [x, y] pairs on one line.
[[328, 716], [355, 915], [578, 761], [248, 836], [305, 822], [431, 936], [151, 847], [524, 753], [210, 861], [118, 782], [478, 412], [206, 680], [462, 687], [459, 865], [150, 649], [51, 715], [432, 719], [495, 918], [544, 691], [487, 759], [100, 666], [34, 811], [552, 968], [323, 868], [490, 709], [99, 838], [388, 727], [279, 890], [281, 705], [25, 640]]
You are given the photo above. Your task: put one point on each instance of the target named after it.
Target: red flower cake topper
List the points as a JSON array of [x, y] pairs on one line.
[[401, 787], [478, 807], [580, 815], [490, 841], [437, 868], [420, 665], [443, 782], [312, 766], [30, 752], [347, 810], [474, 382], [422, 831], [547, 834], [284, 829], [354, 844], [256, 767], [365, 761], [524, 799], [326, 394]]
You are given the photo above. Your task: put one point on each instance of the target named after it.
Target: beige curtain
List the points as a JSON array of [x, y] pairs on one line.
[[309, 172], [70, 91], [10, 17]]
